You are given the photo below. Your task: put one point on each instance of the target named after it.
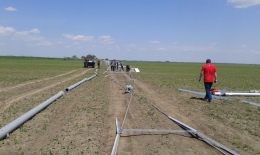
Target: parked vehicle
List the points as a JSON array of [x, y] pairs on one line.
[[89, 63]]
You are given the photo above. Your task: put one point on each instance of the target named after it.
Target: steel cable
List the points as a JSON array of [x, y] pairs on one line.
[[190, 133], [126, 111], [128, 106]]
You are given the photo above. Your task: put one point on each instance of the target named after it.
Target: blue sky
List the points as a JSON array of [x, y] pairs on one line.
[[226, 31]]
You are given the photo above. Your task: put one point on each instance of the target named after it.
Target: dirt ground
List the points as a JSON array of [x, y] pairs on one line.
[[83, 120]]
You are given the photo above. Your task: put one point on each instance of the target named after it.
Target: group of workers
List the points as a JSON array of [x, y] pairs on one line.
[[116, 65], [208, 72]]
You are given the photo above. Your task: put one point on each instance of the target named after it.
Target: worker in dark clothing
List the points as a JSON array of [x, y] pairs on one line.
[[122, 66], [98, 63], [113, 65]]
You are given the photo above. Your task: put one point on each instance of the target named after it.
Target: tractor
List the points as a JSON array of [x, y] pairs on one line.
[[89, 63]]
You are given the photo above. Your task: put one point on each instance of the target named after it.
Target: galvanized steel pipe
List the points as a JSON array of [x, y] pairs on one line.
[[203, 94], [16, 123], [204, 137], [79, 83], [241, 94], [114, 149], [250, 102], [157, 131]]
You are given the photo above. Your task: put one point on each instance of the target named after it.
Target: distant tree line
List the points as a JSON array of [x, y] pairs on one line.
[[89, 56]]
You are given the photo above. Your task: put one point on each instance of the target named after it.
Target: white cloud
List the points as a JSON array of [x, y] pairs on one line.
[[44, 43], [78, 37], [107, 39], [6, 30], [34, 31], [30, 32], [31, 35], [10, 9], [244, 3], [154, 42]]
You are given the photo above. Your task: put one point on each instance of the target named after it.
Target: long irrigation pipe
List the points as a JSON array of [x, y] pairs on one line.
[[237, 94], [82, 81], [6, 130], [114, 150], [157, 131], [79, 83], [250, 102], [203, 94]]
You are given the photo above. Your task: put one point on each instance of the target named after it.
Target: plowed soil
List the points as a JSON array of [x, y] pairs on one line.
[[82, 121]]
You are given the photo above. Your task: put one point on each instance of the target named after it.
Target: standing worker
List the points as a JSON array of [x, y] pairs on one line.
[[98, 62], [122, 65], [113, 65], [210, 75], [117, 64]]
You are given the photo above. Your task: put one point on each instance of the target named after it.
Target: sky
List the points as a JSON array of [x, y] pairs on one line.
[[225, 31]]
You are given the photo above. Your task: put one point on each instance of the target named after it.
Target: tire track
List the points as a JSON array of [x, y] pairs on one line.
[[31, 82], [117, 106], [4, 105], [135, 143]]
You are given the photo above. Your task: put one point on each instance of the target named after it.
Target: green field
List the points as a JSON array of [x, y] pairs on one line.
[[167, 76], [16, 70], [232, 77]]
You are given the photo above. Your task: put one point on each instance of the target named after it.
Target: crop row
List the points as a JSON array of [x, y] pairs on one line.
[[16, 71]]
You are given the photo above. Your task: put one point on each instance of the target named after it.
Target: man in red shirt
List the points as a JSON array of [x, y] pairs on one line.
[[209, 73]]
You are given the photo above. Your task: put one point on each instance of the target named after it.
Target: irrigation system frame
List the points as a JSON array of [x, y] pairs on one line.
[[223, 149]]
